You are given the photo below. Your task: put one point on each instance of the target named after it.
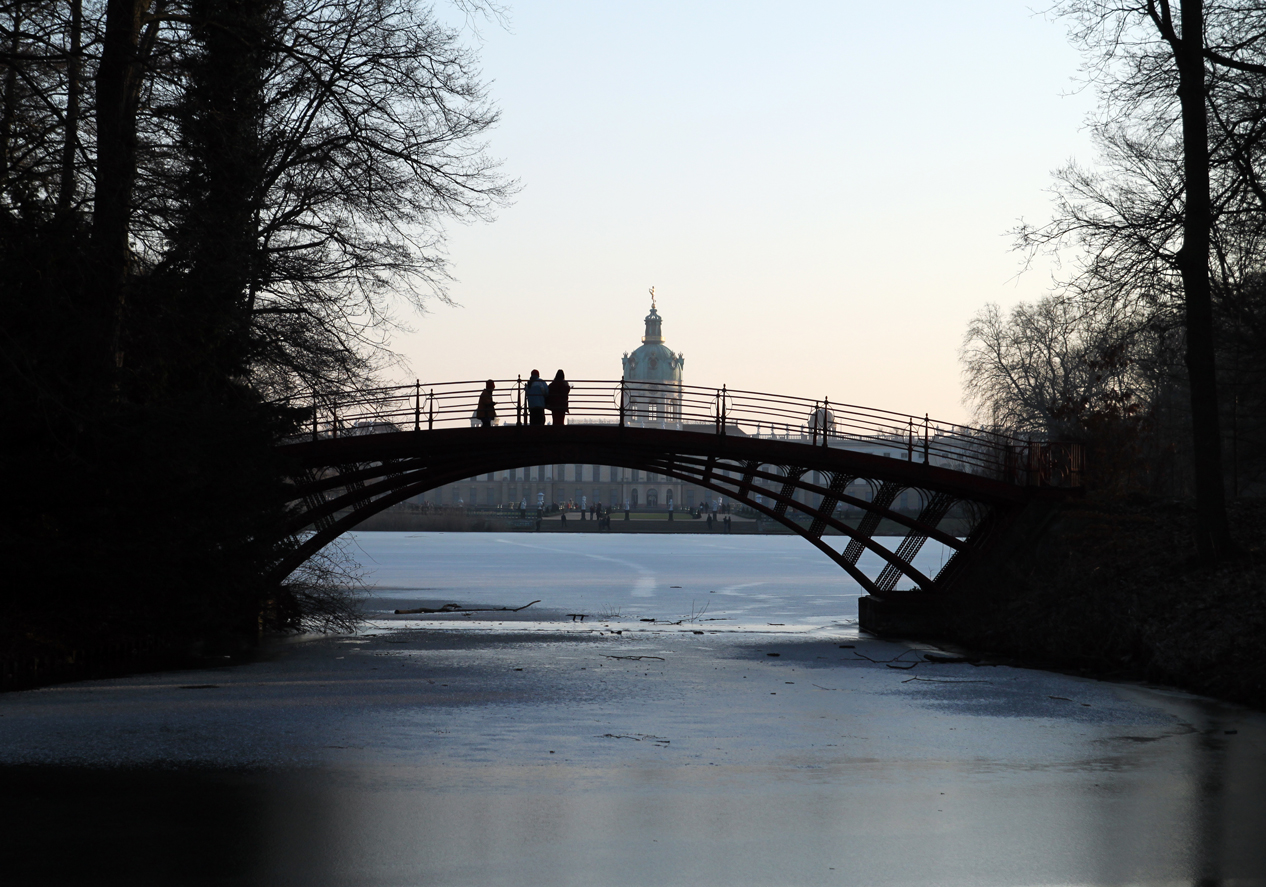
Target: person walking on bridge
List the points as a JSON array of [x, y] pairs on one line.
[[556, 400], [536, 391], [486, 411]]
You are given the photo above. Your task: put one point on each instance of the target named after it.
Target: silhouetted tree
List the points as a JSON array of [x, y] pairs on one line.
[[371, 144], [40, 96], [1178, 213], [1062, 369], [205, 204]]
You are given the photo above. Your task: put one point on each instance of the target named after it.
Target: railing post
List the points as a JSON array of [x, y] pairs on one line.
[[518, 401], [622, 400], [723, 416], [314, 415], [417, 404], [910, 442], [430, 410], [333, 418], [826, 411], [818, 418], [925, 438]]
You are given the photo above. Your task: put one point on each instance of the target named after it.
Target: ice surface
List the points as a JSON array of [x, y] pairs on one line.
[[725, 582]]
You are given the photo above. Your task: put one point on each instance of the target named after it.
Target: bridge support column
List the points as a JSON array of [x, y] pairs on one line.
[[910, 614]]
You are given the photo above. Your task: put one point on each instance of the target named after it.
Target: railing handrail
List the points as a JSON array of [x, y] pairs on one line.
[[820, 421]]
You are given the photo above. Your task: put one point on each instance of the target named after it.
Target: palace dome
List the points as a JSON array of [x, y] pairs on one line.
[[653, 361]]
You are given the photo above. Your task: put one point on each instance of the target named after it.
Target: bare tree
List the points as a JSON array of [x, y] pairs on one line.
[[1065, 369], [1179, 211], [42, 94], [1039, 369], [369, 145], [375, 142]]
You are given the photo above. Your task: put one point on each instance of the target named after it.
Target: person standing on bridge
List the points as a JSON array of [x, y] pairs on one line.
[[556, 401], [536, 391], [486, 411]]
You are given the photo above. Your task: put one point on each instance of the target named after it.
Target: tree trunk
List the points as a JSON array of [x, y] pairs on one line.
[[117, 76], [216, 244], [70, 141], [1213, 538], [8, 110]]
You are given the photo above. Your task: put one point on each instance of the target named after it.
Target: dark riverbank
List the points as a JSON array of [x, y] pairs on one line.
[[1113, 588]]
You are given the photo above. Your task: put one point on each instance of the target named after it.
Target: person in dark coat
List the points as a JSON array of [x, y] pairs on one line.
[[536, 391], [556, 399], [486, 411]]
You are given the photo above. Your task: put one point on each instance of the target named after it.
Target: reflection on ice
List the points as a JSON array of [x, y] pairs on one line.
[[644, 587]]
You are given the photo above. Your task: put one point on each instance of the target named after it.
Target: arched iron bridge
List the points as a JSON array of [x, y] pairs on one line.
[[790, 459]]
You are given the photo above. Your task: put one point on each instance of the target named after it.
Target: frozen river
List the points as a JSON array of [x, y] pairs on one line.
[[735, 582], [747, 736]]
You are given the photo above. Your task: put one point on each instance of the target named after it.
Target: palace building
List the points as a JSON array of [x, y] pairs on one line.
[[653, 373]]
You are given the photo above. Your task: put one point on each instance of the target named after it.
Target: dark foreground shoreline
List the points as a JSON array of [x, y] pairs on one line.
[[616, 755]]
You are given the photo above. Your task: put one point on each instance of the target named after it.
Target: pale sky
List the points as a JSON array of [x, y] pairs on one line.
[[820, 192]]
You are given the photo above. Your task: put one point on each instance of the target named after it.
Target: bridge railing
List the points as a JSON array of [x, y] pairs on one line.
[[722, 411]]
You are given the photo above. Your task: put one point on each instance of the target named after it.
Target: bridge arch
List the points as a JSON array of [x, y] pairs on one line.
[[339, 481]]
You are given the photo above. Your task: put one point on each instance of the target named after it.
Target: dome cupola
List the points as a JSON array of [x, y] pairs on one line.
[[654, 334], [653, 361]]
